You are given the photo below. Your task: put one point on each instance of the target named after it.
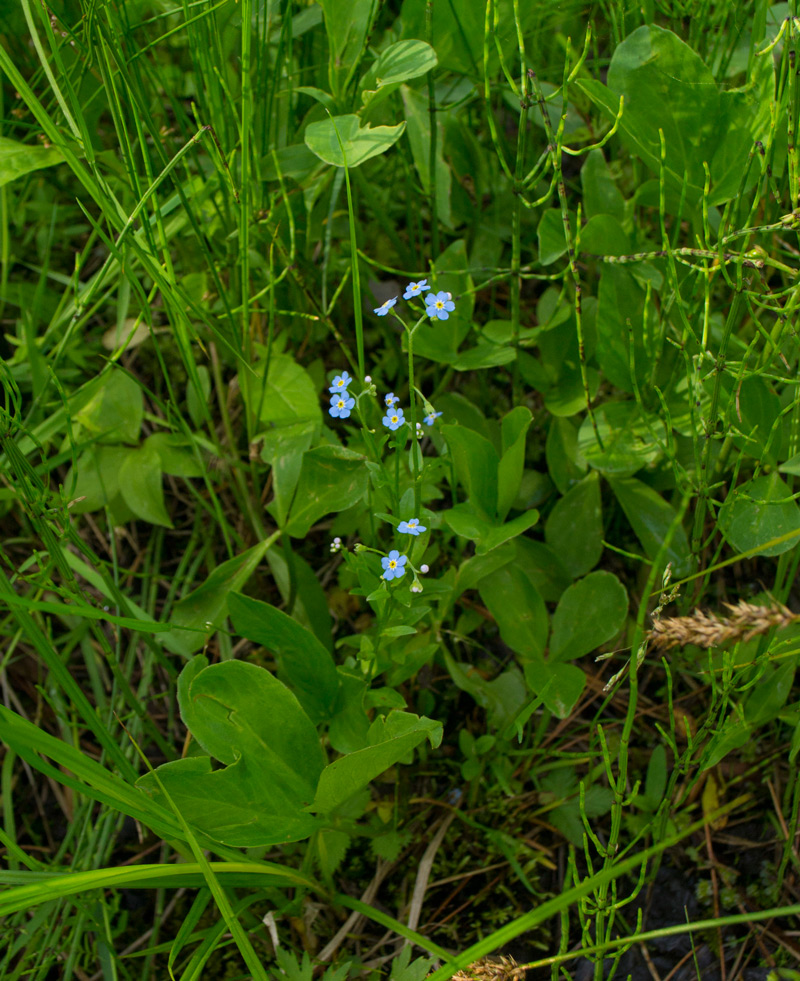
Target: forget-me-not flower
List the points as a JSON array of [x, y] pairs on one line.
[[384, 308], [340, 383], [341, 405], [414, 289], [394, 565], [394, 419], [391, 399], [431, 418], [412, 527], [439, 305]]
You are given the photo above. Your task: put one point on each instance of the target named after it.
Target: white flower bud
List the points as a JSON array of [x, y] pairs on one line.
[[424, 568]]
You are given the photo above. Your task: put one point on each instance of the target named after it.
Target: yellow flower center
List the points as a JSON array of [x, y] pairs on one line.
[[392, 564], [394, 418], [439, 304]]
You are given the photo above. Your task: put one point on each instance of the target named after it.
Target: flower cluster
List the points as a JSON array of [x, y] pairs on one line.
[[438, 306]]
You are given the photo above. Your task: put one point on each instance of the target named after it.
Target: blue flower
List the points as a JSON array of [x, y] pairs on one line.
[[431, 418], [391, 399], [414, 289], [412, 527], [394, 419], [439, 305], [340, 383], [394, 565], [341, 405], [384, 308]]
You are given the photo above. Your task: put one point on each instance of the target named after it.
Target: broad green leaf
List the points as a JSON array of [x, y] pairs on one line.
[[620, 318], [440, 340], [111, 407], [347, 23], [514, 428], [502, 697], [560, 685], [175, 454], [418, 119], [249, 720], [391, 739], [650, 516], [753, 409], [604, 235], [360, 143], [484, 355], [332, 478], [283, 448], [295, 161], [310, 602], [18, 159], [97, 474], [288, 396], [770, 694], [476, 462], [141, 486], [574, 528], [551, 236], [629, 441], [591, 612], [565, 463], [600, 194], [204, 609], [472, 570], [307, 667], [543, 567], [398, 63], [502, 533], [518, 609], [758, 511]]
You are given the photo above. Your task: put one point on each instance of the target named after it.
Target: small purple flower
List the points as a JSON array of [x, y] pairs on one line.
[[412, 527], [384, 308], [340, 383], [439, 305], [431, 418], [414, 289], [341, 405], [394, 565], [394, 419]]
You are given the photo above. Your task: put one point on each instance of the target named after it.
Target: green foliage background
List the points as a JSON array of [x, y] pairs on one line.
[[202, 205]]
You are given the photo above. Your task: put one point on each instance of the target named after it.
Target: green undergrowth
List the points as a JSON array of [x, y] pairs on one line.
[[399, 536]]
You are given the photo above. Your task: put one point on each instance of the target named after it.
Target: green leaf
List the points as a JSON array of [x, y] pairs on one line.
[[591, 612], [620, 317], [514, 428], [391, 738], [476, 463], [650, 516], [604, 235], [111, 406], [18, 159], [141, 487], [629, 440], [332, 478], [347, 23], [247, 719], [418, 119], [360, 143], [175, 454], [307, 667], [398, 63], [550, 233], [518, 609], [600, 194], [758, 511], [288, 396], [565, 463], [283, 448], [559, 685], [502, 697], [574, 528], [204, 609], [97, 482]]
